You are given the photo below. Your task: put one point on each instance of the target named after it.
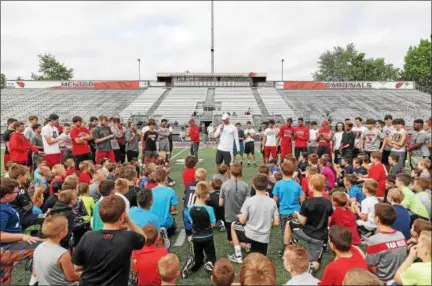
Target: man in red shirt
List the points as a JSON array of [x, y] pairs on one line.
[[301, 137], [347, 256], [286, 134], [324, 137], [80, 136], [145, 260], [194, 135], [19, 145]]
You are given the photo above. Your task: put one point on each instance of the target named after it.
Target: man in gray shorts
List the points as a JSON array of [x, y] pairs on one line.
[[164, 145], [149, 143]]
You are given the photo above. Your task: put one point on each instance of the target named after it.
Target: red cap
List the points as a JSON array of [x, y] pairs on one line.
[[191, 121], [325, 122]]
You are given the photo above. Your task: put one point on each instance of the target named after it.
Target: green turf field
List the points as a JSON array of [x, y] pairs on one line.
[[222, 247]]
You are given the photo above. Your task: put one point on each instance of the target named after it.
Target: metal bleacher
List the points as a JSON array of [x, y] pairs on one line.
[[238, 100], [20, 103], [142, 103], [275, 103]]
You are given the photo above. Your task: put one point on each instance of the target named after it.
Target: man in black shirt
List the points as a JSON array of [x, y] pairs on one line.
[[150, 137], [347, 143], [104, 256], [6, 139]]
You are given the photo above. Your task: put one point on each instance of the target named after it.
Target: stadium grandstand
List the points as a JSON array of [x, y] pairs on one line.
[[245, 96]]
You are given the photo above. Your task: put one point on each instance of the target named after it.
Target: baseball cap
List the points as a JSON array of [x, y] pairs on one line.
[[225, 116], [53, 116], [325, 122], [191, 120]]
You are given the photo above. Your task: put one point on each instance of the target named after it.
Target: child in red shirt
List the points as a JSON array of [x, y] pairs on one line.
[[344, 216], [189, 172], [310, 170], [324, 137], [19, 145], [347, 256], [145, 260], [85, 169], [59, 172], [70, 167], [377, 172]]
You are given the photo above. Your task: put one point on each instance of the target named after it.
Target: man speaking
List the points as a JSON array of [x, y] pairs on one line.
[[228, 137]]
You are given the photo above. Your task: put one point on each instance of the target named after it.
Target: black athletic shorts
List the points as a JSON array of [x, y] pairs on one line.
[[278, 150], [256, 246], [223, 156], [250, 147]]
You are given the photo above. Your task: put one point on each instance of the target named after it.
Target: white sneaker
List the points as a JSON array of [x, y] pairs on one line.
[[235, 259], [209, 266], [166, 241]]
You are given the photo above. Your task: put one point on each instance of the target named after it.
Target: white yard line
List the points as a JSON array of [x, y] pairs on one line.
[[181, 237], [179, 153]]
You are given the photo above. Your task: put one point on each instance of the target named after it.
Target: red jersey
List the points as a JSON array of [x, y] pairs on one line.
[[324, 137], [19, 146], [286, 133], [56, 179], [378, 173], [145, 263], [70, 171], [84, 177], [79, 149], [150, 185], [346, 218], [188, 176], [301, 136], [194, 133], [305, 185], [335, 271]]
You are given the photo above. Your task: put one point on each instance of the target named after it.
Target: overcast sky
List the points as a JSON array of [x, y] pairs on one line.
[[103, 40]]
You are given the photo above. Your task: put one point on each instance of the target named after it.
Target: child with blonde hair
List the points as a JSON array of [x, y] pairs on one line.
[[257, 269], [403, 219], [295, 261], [70, 167], [169, 269], [121, 189]]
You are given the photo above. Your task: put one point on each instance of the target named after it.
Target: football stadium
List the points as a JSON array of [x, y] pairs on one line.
[[215, 178]]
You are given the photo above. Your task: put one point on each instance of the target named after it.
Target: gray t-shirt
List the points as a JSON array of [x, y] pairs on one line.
[[101, 132], [303, 279], [29, 133], [134, 144], [46, 257], [260, 211], [93, 190], [234, 193], [372, 139], [219, 176], [426, 200], [420, 138], [37, 140], [387, 131]]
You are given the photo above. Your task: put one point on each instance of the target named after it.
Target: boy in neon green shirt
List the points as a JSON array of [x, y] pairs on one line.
[[87, 200], [419, 273], [411, 201]]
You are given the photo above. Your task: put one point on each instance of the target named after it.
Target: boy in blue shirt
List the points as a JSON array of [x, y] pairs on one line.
[[358, 167], [403, 219], [355, 193], [164, 202], [141, 215], [288, 194], [202, 219]]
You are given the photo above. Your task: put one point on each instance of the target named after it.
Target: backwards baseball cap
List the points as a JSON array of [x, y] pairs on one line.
[[52, 117], [225, 116], [325, 122]]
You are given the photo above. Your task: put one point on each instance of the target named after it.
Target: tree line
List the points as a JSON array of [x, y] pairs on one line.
[[339, 64]]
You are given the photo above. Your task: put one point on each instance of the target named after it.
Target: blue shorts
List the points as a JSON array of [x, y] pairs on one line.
[[241, 148]]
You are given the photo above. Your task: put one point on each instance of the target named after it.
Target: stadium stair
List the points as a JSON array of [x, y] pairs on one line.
[[158, 102], [260, 103]]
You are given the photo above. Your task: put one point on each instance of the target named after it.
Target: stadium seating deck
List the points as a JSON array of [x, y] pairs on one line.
[[237, 100], [143, 103]]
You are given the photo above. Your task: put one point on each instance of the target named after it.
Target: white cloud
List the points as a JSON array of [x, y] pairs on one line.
[[102, 40]]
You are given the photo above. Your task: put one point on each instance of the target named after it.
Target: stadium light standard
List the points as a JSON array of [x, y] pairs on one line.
[[139, 69], [282, 69]]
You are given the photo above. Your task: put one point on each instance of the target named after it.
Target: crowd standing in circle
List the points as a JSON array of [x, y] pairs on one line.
[[84, 209]]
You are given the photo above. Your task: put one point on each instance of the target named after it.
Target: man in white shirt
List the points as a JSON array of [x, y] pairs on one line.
[[228, 137], [210, 131], [358, 130], [50, 140], [312, 144], [270, 141], [250, 143]]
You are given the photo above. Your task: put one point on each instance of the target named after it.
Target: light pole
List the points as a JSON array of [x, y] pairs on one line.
[[282, 69], [139, 69]]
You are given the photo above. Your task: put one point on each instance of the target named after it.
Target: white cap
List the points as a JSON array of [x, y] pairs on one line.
[[225, 116]]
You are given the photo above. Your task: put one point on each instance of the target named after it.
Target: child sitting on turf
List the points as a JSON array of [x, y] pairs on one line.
[[189, 172], [403, 220], [417, 227], [141, 214], [222, 173], [223, 273], [289, 195], [122, 189], [421, 185], [390, 184], [232, 196], [189, 197], [312, 160], [417, 273], [89, 203], [145, 260], [343, 216], [359, 276], [366, 209], [425, 168], [387, 248], [257, 269], [328, 173], [273, 166], [347, 256], [106, 188], [264, 169], [355, 193], [214, 203], [86, 169], [70, 167], [257, 216], [313, 221], [59, 172], [395, 168], [277, 176], [202, 218], [296, 262], [358, 169], [169, 269], [414, 205], [52, 199], [51, 262], [305, 180]]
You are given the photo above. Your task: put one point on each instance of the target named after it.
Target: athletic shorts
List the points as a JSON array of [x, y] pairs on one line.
[[164, 146], [256, 246], [250, 147], [284, 219], [241, 148], [223, 156], [270, 151], [278, 150], [52, 159], [314, 246], [150, 154], [104, 154], [228, 230]]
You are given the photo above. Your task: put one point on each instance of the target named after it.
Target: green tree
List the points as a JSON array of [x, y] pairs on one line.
[[3, 80], [348, 64], [418, 64], [19, 78], [51, 69]]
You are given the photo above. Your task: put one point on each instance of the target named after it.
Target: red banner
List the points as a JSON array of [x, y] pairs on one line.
[[304, 85]]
